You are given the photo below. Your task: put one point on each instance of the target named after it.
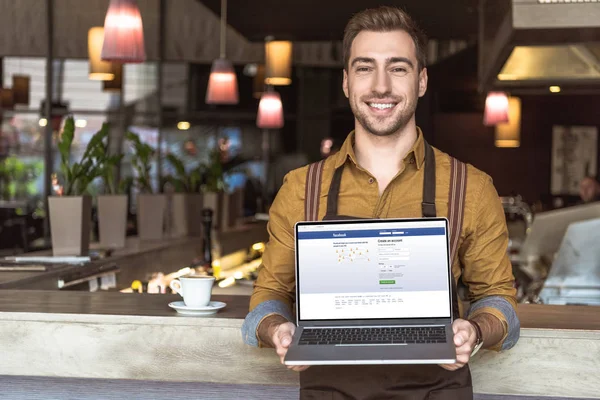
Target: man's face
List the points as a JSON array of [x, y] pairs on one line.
[[589, 189], [383, 82]]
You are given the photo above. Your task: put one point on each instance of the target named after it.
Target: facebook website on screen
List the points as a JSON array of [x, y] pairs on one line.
[[373, 270]]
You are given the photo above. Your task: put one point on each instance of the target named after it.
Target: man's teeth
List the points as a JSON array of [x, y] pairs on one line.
[[381, 106]]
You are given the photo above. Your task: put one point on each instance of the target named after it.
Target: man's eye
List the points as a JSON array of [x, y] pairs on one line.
[[362, 69], [399, 70]]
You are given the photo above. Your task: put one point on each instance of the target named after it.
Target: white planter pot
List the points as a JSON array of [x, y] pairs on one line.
[[112, 220], [151, 216], [70, 223]]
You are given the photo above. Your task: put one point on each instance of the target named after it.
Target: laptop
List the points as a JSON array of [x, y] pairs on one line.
[[373, 292]]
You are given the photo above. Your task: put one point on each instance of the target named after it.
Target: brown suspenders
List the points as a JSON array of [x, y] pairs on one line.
[[456, 198], [313, 190], [456, 202]]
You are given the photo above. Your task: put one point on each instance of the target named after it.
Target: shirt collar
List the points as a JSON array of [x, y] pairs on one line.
[[415, 155]]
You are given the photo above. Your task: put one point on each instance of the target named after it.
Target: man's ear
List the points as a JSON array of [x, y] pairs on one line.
[[345, 83], [423, 82]]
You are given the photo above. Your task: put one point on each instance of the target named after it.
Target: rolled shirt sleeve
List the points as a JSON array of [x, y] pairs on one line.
[[274, 289], [487, 269]]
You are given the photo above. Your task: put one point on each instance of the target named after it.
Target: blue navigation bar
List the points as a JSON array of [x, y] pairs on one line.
[[371, 233]]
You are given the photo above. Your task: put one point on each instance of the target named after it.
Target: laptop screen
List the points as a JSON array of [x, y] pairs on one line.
[[368, 269]]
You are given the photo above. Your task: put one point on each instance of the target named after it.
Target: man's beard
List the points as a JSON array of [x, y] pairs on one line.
[[373, 124]]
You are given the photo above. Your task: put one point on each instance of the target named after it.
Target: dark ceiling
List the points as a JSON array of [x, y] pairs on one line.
[[307, 20]]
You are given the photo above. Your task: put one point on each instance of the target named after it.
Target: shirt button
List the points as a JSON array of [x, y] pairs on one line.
[[371, 180], [411, 160]]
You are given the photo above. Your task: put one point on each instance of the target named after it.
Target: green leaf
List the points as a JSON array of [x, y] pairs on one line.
[[142, 156]]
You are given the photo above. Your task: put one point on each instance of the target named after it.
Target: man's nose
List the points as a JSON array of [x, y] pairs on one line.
[[382, 83]]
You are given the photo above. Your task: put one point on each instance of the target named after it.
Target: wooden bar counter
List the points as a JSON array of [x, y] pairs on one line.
[[54, 342]]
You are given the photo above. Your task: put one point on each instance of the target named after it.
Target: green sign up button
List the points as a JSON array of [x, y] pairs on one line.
[[387, 282]]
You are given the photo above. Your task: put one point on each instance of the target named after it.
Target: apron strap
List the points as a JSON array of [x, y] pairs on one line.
[[456, 202], [456, 208], [334, 192], [313, 190], [428, 204]]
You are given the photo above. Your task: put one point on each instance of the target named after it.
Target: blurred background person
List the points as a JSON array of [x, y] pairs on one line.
[[589, 189]]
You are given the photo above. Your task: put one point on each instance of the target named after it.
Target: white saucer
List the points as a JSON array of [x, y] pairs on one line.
[[210, 309]]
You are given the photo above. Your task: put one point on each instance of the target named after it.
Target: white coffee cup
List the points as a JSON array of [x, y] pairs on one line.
[[195, 289]]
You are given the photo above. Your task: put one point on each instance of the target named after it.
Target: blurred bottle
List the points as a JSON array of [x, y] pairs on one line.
[[207, 242]]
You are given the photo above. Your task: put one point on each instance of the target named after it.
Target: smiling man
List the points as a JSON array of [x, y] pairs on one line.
[[386, 169]]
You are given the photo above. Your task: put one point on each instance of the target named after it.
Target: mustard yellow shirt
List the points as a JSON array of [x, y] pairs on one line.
[[482, 260]]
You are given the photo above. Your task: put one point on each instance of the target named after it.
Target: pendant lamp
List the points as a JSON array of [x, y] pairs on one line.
[[270, 111], [222, 84], [496, 108], [509, 134], [99, 70], [123, 33], [278, 56]]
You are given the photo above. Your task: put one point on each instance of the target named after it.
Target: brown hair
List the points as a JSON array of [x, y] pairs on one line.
[[385, 19]]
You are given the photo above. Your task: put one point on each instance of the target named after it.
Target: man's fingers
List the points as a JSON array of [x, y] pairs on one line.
[[450, 367], [298, 368], [462, 359], [461, 337], [464, 349], [282, 339], [281, 351], [453, 367], [284, 334], [285, 339]]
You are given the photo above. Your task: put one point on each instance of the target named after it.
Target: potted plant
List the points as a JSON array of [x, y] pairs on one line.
[[70, 211], [187, 200], [112, 205], [150, 206]]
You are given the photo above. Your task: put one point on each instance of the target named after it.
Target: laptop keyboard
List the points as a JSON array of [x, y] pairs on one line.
[[362, 336]]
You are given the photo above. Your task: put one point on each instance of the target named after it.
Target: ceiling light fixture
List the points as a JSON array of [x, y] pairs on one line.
[[270, 110], [496, 109], [278, 66], [222, 83], [99, 70], [183, 125], [123, 33], [509, 134]]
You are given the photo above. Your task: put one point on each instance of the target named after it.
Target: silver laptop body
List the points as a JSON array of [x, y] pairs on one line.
[[373, 292]]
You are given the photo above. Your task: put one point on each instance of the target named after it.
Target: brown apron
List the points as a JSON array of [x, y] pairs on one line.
[[402, 382]]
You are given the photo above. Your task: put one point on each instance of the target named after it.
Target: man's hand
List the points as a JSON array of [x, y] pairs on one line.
[[281, 337], [465, 337]]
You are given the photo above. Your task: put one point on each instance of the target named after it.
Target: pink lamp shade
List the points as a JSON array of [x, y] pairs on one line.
[[123, 33], [496, 109], [270, 111], [222, 84]]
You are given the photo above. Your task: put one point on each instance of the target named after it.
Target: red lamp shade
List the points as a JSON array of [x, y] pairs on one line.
[[222, 84], [270, 111], [123, 33], [496, 109]]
